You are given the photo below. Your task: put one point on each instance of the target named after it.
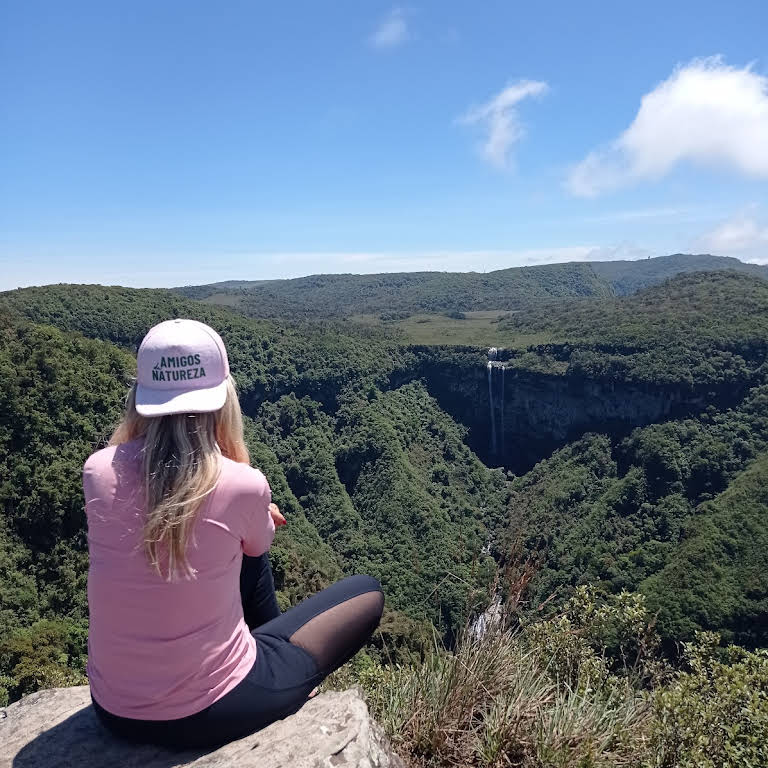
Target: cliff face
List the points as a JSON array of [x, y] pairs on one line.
[[58, 728], [516, 418]]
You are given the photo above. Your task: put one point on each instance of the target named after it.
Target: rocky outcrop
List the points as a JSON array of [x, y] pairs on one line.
[[58, 728], [520, 417]]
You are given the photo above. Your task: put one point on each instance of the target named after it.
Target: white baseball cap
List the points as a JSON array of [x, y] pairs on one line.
[[182, 367]]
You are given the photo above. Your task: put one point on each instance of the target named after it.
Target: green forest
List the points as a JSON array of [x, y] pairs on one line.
[[407, 293], [626, 454], [371, 478]]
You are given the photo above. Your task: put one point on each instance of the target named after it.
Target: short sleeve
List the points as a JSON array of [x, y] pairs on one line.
[[257, 526]]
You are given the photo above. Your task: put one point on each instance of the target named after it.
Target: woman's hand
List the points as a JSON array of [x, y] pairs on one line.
[[277, 516]]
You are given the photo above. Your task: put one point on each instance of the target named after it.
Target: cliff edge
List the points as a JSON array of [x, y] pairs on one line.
[[58, 727]]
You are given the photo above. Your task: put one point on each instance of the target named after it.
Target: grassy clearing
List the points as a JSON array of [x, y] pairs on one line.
[[484, 328], [223, 299]]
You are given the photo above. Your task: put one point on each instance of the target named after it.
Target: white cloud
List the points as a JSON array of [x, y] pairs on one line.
[[392, 31], [706, 112], [620, 252], [499, 118], [637, 214], [743, 235]]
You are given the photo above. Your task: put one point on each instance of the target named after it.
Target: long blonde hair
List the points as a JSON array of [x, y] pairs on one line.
[[181, 464]]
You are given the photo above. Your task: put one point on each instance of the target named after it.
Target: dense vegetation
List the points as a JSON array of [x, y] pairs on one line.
[[627, 277], [555, 695], [370, 479], [60, 394], [269, 359], [366, 442], [344, 295], [676, 510], [416, 292], [695, 329]]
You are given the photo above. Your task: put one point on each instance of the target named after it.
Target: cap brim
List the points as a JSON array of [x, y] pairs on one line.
[[163, 402]]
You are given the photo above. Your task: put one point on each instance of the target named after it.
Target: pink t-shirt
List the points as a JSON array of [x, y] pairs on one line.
[[160, 650]]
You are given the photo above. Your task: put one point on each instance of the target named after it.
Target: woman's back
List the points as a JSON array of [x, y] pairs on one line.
[[187, 645], [159, 649]]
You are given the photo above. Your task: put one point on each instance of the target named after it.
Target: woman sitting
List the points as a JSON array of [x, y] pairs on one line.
[[187, 645]]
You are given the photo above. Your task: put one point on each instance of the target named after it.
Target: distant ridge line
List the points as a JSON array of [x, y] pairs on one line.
[[512, 288]]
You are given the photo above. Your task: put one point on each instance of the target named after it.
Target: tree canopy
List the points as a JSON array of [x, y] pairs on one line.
[[353, 428]]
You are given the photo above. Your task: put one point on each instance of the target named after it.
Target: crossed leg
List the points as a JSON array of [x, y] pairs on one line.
[[331, 626]]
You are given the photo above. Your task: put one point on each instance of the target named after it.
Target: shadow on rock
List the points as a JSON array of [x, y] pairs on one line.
[[83, 741]]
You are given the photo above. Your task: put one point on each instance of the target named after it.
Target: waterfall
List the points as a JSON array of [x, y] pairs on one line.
[[493, 415], [491, 357], [503, 441], [491, 617]]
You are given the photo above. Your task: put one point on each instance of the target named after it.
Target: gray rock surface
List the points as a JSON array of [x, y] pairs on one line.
[[57, 728]]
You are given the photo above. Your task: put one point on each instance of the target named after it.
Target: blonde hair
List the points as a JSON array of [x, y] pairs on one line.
[[181, 464]]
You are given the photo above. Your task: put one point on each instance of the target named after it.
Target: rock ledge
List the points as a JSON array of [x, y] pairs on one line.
[[58, 728]]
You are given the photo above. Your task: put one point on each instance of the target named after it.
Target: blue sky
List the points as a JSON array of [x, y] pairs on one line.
[[166, 143]]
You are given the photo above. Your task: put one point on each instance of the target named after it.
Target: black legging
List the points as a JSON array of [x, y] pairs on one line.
[[295, 651]]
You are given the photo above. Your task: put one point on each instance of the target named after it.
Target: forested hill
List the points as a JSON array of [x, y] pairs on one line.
[[425, 292], [626, 277], [626, 448], [372, 477]]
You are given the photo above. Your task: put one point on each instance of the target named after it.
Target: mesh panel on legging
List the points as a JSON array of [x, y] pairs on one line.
[[334, 636]]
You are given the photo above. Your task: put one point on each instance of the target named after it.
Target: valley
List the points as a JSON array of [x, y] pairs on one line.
[[605, 440]]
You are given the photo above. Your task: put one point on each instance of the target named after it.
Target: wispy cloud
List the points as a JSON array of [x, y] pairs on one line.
[[744, 235], [392, 31], [459, 261], [638, 214], [500, 120], [706, 112], [620, 252]]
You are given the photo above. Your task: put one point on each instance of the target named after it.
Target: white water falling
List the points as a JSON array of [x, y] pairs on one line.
[[502, 410], [489, 618], [493, 414], [492, 352]]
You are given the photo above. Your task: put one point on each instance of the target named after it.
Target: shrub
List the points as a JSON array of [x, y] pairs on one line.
[[715, 714], [585, 689], [498, 700], [49, 654]]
